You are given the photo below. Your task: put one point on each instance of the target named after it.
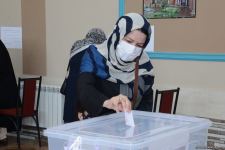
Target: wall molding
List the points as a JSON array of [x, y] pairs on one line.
[[121, 7], [219, 57]]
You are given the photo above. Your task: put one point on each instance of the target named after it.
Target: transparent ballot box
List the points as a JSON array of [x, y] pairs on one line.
[[152, 131]]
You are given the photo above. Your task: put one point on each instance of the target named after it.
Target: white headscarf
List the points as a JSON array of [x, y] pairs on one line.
[[118, 70]]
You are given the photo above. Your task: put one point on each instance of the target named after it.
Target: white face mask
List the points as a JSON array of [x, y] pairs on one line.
[[127, 52]]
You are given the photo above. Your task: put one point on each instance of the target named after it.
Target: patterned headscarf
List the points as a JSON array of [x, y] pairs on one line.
[[120, 71], [94, 36]]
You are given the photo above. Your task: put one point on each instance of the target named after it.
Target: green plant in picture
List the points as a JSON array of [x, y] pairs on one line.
[[157, 15], [169, 8], [170, 12]]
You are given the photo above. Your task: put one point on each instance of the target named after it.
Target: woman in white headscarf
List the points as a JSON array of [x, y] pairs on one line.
[[107, 82]]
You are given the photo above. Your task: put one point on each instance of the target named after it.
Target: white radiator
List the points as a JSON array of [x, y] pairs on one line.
[[51, 105]]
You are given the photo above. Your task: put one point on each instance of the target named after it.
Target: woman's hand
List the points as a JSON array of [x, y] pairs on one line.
[[118, 103]]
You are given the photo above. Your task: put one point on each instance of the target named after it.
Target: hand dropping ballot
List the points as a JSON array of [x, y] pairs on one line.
[[129, 119]]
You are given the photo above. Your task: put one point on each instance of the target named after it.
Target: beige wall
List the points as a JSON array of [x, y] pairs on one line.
[[10, 15], [10, 12], [34, 37], [205, 33], [202, 85], [68, 21]]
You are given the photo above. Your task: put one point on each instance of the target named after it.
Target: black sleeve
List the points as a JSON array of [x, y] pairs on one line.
[[90, 98], [147, 99]]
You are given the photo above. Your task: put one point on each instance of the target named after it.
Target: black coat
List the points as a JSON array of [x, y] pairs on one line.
[[71, 105], [93, 91], [8, 85], [93, 88]]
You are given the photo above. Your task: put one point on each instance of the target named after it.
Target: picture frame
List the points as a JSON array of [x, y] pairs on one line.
[[160, 9]]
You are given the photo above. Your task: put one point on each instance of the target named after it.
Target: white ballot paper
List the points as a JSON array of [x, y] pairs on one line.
[[129, 119]]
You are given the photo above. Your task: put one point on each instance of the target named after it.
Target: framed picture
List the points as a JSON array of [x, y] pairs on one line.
[[158, 9]]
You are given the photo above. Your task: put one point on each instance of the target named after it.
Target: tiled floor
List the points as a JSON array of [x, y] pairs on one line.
[[216, 135], [26, 144]]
